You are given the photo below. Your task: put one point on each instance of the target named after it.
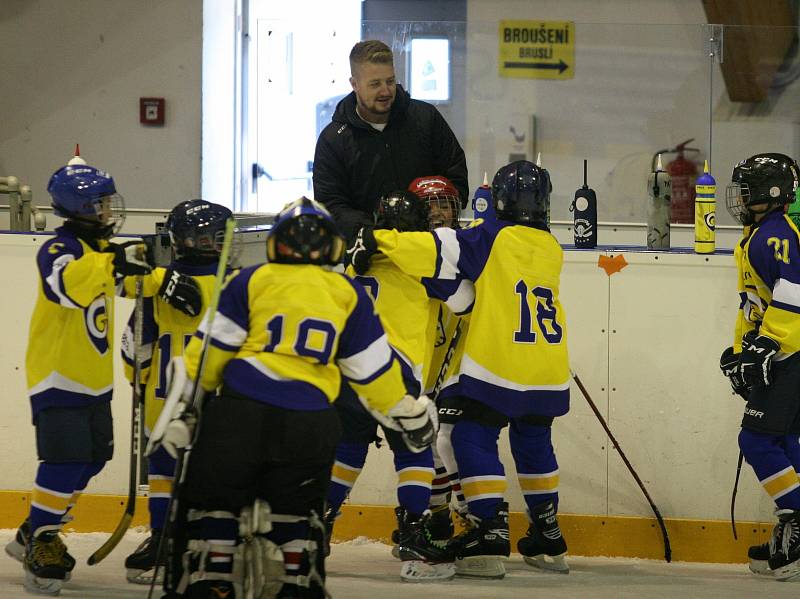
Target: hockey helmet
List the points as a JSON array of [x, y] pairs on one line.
[[759, 184], [304, 233], [88, 197], [442, 198], [197, 228], [401, 210], [521, 194]]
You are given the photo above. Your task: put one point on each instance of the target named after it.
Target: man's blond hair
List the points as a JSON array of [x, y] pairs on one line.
[[373, 51]]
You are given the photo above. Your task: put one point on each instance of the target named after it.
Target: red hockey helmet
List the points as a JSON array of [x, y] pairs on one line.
[[442, 199]]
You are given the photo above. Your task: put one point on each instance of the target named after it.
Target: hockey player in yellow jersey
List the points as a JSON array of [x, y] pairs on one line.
[[69, 361], [763, 363], [408, 311], [283, 337], [515, 365], [195, 229]]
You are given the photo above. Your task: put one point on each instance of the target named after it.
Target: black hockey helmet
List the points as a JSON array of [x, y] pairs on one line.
[[521, 194], [401, 210], [760, 184], [304, 233], [197, 228]]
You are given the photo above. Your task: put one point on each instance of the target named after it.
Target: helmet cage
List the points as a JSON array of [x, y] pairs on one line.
[[402, 210]]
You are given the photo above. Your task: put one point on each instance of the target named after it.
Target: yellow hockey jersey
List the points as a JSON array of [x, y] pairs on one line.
[[408, 309], [69, 360], [515, 354], [284, 334], [165, 333], [768, 261]]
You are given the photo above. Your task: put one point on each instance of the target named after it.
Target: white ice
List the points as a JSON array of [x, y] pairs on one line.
[[362, 569]]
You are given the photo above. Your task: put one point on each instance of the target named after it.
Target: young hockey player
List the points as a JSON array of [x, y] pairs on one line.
[[764, 362], [69, 361], [282, 338], [520, 376], [196, 229], [408, 314]]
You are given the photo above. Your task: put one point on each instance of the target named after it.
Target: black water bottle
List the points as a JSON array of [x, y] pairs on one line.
[[584, 208]]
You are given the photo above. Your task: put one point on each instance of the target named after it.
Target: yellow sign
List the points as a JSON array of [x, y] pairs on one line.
[[537, 49]]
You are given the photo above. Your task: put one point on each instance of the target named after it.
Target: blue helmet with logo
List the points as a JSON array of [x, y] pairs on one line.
[[197, 228], [87, 196], [521, 193], [304, 233]]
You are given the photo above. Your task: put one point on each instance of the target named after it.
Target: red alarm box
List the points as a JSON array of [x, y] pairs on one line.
[[151, 111]]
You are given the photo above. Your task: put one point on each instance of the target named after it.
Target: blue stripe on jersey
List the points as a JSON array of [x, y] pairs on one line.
[[220, 345], [244, 379], [765, 252], [407, 372], [194, 270], [363, 327], [234, 300], [440, 289], [368, 379], [783, 306], [516, 403], [475, 245], [59, 398]]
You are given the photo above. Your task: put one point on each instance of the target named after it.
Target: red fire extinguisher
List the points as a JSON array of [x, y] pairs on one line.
[[683, 173]]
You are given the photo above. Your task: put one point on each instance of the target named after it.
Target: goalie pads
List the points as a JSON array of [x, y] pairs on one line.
[[415, 419], [174, 427]]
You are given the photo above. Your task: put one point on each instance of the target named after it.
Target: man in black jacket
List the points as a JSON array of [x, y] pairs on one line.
[[380, 140]]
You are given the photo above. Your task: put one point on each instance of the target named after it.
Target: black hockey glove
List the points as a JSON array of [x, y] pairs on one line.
[[130, 258], [729, 364], [182, 293], [756, 360], [360, 253]]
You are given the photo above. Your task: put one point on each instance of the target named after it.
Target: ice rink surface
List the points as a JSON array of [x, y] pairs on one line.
[[365, 570]]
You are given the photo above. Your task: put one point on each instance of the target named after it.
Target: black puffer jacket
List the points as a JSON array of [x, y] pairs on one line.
[[355, 164]]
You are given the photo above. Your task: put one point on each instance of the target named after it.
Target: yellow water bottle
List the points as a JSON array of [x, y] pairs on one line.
[[704, 209]]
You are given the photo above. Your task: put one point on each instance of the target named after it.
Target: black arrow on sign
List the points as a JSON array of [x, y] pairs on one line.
[[561, 65]]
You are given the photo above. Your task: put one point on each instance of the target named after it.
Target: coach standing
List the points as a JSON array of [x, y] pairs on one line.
[[380, 140]]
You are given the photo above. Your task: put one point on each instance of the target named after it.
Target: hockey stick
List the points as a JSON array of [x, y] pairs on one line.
[[733, 495], [197, 392], [448, 357], [136, 412], [667, 548]]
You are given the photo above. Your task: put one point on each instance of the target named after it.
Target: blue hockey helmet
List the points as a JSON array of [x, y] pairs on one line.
[[197, 228], [402, 210], [304, 233], [521, 194], [87, 196]]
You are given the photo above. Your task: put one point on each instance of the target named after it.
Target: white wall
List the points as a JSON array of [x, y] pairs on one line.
[[645, 342], [73, 72]]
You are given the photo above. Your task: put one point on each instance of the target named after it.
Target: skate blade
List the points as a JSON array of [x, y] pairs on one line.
[[144, 576], [788, 573], [42, 586], [551, 563], [419, 571], [15, 551], [481, 566], [760, 567]]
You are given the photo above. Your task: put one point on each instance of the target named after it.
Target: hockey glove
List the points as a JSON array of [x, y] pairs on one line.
[[360, 253], [130, 258], [175, 425], [756, 360], [416, 420], [729, 364], [182, 293]]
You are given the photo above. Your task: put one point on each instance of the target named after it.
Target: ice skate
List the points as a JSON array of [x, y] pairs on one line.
[[140, 565], [441, 526], [759, 559], [328, 520], [16, 548], [784, 560], [44, 564], [543, 546], [423, 561], [479, 552]]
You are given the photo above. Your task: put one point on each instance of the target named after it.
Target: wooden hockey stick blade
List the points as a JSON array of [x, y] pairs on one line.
[[112, 541]]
